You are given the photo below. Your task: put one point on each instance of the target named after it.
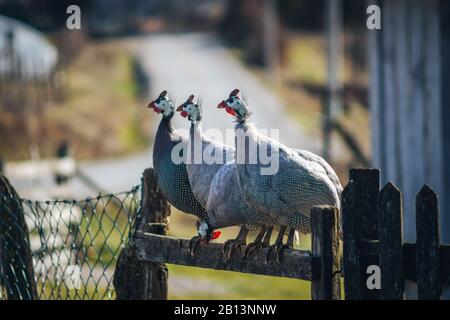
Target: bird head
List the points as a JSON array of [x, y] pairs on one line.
[[206, 232], [191, 110], [235, 106], [162, 104]]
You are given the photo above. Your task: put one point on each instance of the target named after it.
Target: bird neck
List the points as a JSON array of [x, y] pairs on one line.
[[166, 124], [245, 142], [196, 128], [166, 135]]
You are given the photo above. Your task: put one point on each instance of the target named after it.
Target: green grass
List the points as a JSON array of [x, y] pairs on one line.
[[212, 284], [102, 233], [60, 291], [105, 230]]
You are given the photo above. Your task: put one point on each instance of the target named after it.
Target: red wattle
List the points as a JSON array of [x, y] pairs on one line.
[[215, 235], [184, 114], [230, 111], [157, 110]]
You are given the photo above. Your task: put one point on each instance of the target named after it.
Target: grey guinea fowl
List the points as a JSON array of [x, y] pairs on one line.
[[221, 198], [302, 180], [171, 177], [227, 207], [204, 156]]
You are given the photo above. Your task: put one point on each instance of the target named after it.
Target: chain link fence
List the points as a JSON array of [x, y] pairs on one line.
[[72, 246]]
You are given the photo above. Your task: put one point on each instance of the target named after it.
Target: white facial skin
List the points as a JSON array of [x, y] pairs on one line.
[[193, 110], [203, 229], [238, 105], [165, 105]]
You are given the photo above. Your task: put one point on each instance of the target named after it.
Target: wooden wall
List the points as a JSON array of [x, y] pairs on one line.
[[409, 101]]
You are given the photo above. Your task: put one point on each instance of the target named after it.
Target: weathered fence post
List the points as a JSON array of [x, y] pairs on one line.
[[16, 262], [325, 243], [390, 249], [360, 229], [428, 252], [136, 279]]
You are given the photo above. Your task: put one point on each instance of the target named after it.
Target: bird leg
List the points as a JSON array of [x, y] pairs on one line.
[[257, 243], [278, 243], [193, 244], [288, 245], [233, 244], [266, 240]]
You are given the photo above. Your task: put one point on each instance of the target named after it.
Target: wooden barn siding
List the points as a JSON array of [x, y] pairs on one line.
[[445, 100], [407, 109]]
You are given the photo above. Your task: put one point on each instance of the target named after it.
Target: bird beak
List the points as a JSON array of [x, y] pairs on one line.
[[180, 108], [151, 105], [222, 105]]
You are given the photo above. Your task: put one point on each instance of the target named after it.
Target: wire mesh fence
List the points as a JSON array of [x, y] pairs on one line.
[[74, 245]]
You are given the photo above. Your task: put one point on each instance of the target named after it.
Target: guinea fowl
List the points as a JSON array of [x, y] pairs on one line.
[[204, 156], [172, 177], [225, 204], [302, 180]]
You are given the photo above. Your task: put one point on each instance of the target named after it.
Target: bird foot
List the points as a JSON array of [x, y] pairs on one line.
[[194, 243], [280, 251], [233, 245], [254, 247], [273, 249], [226, 244]]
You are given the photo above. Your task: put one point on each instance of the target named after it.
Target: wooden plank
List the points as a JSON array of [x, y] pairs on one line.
[[325, 243], [390, 243], [428, 252], [407, 132], [433, 108], [367, 187], [271, 39], [162, 249], [444, 10], [376, 95], [352, 277], [409, 259], [388, 46], [360, 217], [133, 278], [445, 262], [409, 262]]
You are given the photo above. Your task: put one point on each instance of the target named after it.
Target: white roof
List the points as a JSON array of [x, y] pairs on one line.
[[36, 54]]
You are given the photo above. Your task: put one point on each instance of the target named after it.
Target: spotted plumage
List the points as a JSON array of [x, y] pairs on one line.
[[227, 206], [215, 184], [172, 178], [302, 181], [201, 170]]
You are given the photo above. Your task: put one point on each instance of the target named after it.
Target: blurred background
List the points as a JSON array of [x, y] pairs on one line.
[[74, 122]]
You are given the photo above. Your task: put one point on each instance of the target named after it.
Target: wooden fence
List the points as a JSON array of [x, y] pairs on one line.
[[141, 272], [373, 236], [375, 265], [375, 259]]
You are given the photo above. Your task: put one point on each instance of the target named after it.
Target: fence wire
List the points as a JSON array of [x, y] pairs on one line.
[[75, 244]]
